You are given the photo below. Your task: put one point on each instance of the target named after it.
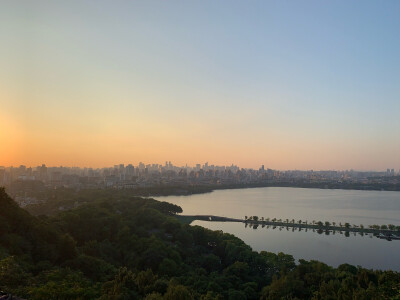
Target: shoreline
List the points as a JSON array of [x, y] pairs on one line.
[[204, 189]]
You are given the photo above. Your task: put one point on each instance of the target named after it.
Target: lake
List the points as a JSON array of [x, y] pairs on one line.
[[354, 207]]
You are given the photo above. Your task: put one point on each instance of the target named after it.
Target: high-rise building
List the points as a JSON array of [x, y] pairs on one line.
[[43, 172], [389, 172], [130, 170]]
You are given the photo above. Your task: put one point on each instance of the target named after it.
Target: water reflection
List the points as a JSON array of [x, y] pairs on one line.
[[345, 233], [333, 248]]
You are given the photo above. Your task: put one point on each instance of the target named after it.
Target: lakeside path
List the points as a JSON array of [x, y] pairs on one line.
[[210, 218]]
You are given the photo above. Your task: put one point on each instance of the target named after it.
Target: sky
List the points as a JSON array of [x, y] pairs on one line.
[[288, 84]]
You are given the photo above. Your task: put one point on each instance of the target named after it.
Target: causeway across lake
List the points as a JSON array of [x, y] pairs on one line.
[[352, 206]]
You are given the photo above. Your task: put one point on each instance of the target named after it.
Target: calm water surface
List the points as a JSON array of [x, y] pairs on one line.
[[355, 207]]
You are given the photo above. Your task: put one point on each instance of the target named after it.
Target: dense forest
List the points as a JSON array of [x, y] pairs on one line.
[[135, 248]]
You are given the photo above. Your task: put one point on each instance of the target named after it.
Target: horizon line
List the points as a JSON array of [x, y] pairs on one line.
[[202, 165]]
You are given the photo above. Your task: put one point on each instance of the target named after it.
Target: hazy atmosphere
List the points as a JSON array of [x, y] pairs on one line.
[[200, 150], [292, 85]]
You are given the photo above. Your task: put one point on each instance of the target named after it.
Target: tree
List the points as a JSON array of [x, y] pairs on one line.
[[12, 275], [166, 208], [144, 281], [67, 247], [168, 267], [123, 285], [236, 295], [64, 284], [154, 296], [178, 292], [237, 269]]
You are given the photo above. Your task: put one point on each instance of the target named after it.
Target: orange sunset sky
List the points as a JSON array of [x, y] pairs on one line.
[[93, 85]]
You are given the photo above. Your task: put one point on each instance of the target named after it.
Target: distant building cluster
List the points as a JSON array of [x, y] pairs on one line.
[[146, 175]]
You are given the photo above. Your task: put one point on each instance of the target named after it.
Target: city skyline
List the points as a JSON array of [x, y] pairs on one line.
[[291, 85], [203, 165], [134, 176]]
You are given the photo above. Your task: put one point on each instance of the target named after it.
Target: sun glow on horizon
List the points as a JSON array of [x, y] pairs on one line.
[[11, 141], [198, 82]]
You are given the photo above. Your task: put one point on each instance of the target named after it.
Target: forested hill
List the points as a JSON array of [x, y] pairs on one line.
[[137, 249]]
